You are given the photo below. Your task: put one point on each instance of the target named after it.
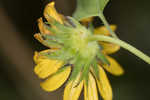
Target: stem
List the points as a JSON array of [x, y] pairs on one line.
[[101, 16], [123, 45]]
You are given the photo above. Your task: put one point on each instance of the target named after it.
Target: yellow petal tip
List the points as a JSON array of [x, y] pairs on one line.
[[114, 68]]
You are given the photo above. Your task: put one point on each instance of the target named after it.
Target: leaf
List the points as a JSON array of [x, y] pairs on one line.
[[89, 8]]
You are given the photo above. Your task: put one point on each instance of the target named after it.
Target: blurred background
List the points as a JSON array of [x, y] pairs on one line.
[[18, 23]]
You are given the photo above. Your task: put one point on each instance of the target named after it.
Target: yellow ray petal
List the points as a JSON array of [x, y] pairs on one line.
[[104, 85], [109, 48], [72, 90], [40, 39], [56, 80], [87, 20], [47, 67], [51, 11], [90, 92], [38, 58], [114, 67], [42, 28], [35, 57], [103, 31]]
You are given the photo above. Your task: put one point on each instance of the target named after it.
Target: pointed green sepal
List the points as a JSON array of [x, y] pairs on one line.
[[102, 58], [77, 67], [95, 69], [85, 73]]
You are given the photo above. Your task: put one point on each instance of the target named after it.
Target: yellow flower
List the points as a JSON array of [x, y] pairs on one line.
[[74, 52]]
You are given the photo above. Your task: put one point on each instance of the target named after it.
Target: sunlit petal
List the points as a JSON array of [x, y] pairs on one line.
[[114, 67], [73, 89], [56, 80], [104, 85], [51, 11], [90, 91], [103, 30], [109, 48]]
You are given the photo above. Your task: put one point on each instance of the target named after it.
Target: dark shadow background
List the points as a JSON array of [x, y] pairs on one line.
[[17, 45]]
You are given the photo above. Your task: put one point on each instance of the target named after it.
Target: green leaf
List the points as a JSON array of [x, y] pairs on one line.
[[89, 8]]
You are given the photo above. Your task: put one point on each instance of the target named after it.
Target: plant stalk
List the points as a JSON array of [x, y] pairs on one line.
[[101, 16], [122, 44]]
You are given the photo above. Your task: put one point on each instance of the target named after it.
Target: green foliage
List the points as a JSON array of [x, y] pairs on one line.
[[89, 8]]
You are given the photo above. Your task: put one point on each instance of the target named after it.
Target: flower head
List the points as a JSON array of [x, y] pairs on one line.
[[73, 55]]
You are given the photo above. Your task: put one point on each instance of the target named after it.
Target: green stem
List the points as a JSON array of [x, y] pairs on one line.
[[101, 16], [122, 44]]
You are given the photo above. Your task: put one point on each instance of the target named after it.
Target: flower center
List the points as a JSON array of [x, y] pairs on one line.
[[81, 44]]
